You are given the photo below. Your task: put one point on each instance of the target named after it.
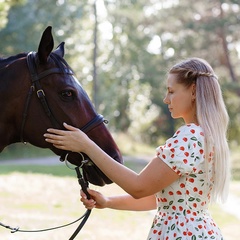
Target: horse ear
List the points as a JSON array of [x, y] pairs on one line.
[[60, 49], [46, 45]]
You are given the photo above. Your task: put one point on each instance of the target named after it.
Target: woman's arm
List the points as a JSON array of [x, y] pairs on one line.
[[153, 178], [122, 202]]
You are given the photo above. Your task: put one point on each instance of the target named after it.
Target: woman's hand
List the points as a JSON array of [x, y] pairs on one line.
[[97, 199], [72, 140]]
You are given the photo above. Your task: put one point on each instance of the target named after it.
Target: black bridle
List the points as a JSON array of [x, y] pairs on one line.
[[62, 68], [36, 86]]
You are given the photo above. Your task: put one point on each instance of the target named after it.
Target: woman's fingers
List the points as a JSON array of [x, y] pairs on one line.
[[88, 203]]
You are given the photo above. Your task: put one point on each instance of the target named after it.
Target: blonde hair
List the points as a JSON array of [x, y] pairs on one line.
[[212, 117]]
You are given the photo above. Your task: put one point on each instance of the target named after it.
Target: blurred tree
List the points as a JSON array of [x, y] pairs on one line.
[[137, 42], [4, 9], [142, 39]]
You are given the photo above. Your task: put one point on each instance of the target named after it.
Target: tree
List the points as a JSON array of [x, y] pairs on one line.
[[137, 42]]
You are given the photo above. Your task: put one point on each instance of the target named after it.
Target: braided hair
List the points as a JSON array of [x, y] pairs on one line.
[[212, 116]]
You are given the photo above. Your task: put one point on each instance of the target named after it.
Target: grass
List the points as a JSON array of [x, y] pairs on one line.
[[37, 196], [20, 150], [56, 170]]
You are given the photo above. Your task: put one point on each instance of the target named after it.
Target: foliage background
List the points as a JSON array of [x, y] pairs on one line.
[[132, 44]]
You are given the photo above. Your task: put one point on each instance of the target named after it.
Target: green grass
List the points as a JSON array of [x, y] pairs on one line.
[[20, 150], [55, 170]]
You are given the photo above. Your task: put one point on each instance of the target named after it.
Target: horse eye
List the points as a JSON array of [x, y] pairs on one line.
[[67, 95]]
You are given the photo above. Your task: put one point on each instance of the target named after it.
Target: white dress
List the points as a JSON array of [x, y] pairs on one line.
[[183, 206]]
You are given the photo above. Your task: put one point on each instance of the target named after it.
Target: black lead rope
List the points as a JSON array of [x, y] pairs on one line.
[[84, 186], [84, 217]]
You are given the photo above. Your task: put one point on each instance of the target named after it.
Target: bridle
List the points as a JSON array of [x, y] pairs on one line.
[[36, 86], [62, 68]]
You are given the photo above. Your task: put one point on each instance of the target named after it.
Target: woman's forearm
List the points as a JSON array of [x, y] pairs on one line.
[[153, 178], [121, 175], [127, 202]]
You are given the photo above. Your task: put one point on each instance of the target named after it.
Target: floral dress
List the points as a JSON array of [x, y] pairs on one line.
[[183, 206]]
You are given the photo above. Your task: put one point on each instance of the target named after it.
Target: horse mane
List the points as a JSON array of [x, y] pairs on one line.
[[6, 61], [60, 62]]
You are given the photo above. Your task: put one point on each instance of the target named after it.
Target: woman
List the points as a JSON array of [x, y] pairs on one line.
[[188, 172]]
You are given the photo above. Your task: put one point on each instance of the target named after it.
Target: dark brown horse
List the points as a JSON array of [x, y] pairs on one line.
[[38, 91]]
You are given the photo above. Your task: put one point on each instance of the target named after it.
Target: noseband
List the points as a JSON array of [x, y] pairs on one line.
[[36, 86]]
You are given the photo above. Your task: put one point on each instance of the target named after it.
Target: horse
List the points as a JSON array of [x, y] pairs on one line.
[[38, 90]]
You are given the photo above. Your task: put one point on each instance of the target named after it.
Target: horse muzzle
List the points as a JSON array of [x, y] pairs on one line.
[[91, 172]]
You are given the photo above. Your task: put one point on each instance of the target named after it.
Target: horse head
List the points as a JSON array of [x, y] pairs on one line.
[[52, 95]]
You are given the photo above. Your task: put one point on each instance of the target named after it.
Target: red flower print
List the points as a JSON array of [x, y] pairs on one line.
[[195, 189], [182, 148], [200, 192], [182, 185], [169, 145], [192, 131], [201, 151], [178, 172], [186, 154], [174, 207], [170, 193], [185, 233], [185, 139], [180, 208], [178, 132], [172, 156], [189, 233], [172, 150], [164, 156], [201, 133], [187, 192], [179, 193], [210, 232], [195, 205], [182, 224], [200, 226], [185, 161], [176, 141], [154, 231], [191, 180]]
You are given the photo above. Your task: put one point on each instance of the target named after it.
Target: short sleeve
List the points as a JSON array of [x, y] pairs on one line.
[[185, 150]]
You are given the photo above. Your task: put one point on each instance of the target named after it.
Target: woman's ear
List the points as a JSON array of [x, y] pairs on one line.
[[193, 91]]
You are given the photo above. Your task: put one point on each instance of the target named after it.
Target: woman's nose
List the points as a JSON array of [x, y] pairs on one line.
[[166, 100]]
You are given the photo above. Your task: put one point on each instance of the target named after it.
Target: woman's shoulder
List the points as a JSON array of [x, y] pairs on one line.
[[189, 129]]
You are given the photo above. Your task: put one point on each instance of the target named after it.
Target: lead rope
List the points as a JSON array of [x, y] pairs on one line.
[[84, 186]]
